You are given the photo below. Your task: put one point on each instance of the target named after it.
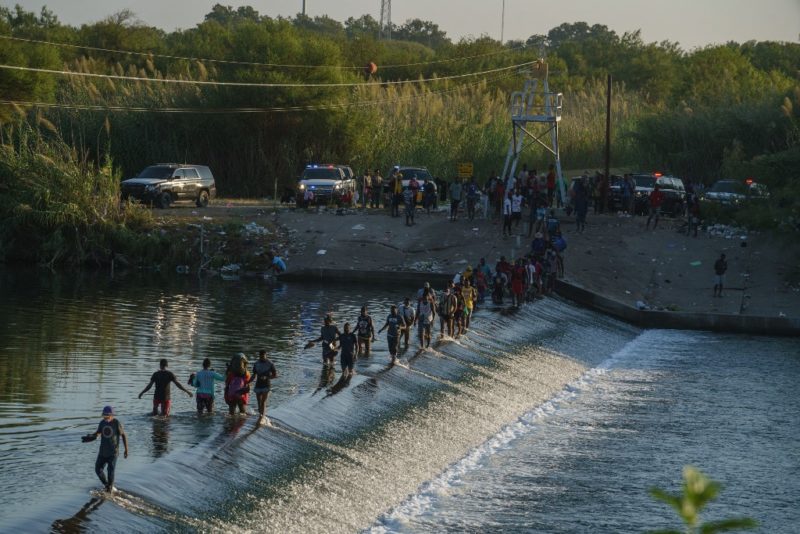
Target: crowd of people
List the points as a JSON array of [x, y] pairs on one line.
[[237, 380]]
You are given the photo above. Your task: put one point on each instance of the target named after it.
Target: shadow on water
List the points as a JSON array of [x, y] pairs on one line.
[[340, 384], [326, 378], [160, 434], [77, 522]]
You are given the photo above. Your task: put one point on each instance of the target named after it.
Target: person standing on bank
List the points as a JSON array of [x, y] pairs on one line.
[[162, 380], [455, 198], [720, 266], [110, 431]]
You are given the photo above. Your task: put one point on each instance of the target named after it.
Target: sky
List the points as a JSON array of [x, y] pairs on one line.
[[692, 23]]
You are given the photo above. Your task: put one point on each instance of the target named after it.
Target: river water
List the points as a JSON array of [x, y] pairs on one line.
[[553, 419]]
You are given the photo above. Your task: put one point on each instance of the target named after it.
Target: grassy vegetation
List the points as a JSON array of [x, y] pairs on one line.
[[730, 111]]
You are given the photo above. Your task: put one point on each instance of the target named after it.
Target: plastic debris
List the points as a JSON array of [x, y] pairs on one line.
[[696, 263], [358, 227], [253, 228], [321, 252]]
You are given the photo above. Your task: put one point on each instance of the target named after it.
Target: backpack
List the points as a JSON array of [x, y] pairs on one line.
[[236, 387], [238, 365], [560, 244], [425, 311], [447, 304]]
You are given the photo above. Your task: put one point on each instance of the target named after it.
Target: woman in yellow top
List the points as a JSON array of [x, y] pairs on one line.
[[469, 294]]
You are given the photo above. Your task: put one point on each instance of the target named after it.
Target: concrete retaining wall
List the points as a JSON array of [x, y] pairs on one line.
[[717, 322]]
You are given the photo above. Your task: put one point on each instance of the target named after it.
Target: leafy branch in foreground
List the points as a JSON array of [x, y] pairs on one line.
[[698, 491]]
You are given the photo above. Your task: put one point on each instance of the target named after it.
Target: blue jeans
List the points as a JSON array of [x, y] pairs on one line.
[[102, 461]]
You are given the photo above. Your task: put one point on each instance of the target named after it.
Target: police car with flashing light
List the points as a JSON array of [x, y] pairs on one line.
[[323, 183]]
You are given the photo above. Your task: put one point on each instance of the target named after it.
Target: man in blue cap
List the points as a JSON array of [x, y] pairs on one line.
[[109, 430]]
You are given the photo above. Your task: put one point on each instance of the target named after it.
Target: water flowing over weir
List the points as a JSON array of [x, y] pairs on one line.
[[341, 454]]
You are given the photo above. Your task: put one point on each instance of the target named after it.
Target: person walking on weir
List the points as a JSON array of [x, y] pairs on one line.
[[161, 396], [110, 431], [396, 324], [263, 373], [204, 382]]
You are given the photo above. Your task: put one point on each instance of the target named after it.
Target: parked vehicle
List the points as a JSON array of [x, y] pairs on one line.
[[328, 182], [672, 187], [733, 192], [407, 172], [165, 183], [615, 193]]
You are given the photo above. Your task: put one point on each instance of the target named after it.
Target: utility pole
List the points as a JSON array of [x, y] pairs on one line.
[[608, 129], [503, 23], [304, 8], [386, 20]]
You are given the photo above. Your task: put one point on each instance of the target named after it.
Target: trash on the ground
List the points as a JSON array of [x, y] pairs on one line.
[[358, 227], [207, 218], [641, 305], [231, 268], [428, 266], [627, 292], [696, 263], [475, 229], [253, 228], [321, 252], [182, 269], [781, 314], [727, 231]]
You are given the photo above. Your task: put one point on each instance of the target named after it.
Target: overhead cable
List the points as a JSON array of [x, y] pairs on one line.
[[242, 110], [254, 84], [253, 63]]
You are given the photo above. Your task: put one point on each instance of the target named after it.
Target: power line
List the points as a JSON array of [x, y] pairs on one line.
[[253, 84], [253, 63], [242, 110]]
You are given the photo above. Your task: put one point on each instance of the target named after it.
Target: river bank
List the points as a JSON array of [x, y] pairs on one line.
[[616, 258]]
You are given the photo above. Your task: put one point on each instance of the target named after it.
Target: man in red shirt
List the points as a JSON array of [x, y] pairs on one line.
[[656, 199]]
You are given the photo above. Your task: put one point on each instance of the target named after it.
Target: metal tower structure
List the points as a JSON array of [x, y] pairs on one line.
[[386, 20], [538, 106]]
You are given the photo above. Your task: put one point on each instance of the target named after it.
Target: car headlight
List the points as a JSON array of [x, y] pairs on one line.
[[301, 187]]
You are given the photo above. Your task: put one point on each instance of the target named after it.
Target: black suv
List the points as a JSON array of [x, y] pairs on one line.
[[164, 183], [672, 187]]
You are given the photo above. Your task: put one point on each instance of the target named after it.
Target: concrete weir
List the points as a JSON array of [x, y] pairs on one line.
[[717, 322]]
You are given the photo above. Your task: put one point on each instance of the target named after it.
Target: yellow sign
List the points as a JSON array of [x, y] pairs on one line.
[[465, 170]]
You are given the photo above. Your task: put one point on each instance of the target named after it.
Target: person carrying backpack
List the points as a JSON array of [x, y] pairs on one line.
[[236, 384], [365, 331], [447, 307]]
